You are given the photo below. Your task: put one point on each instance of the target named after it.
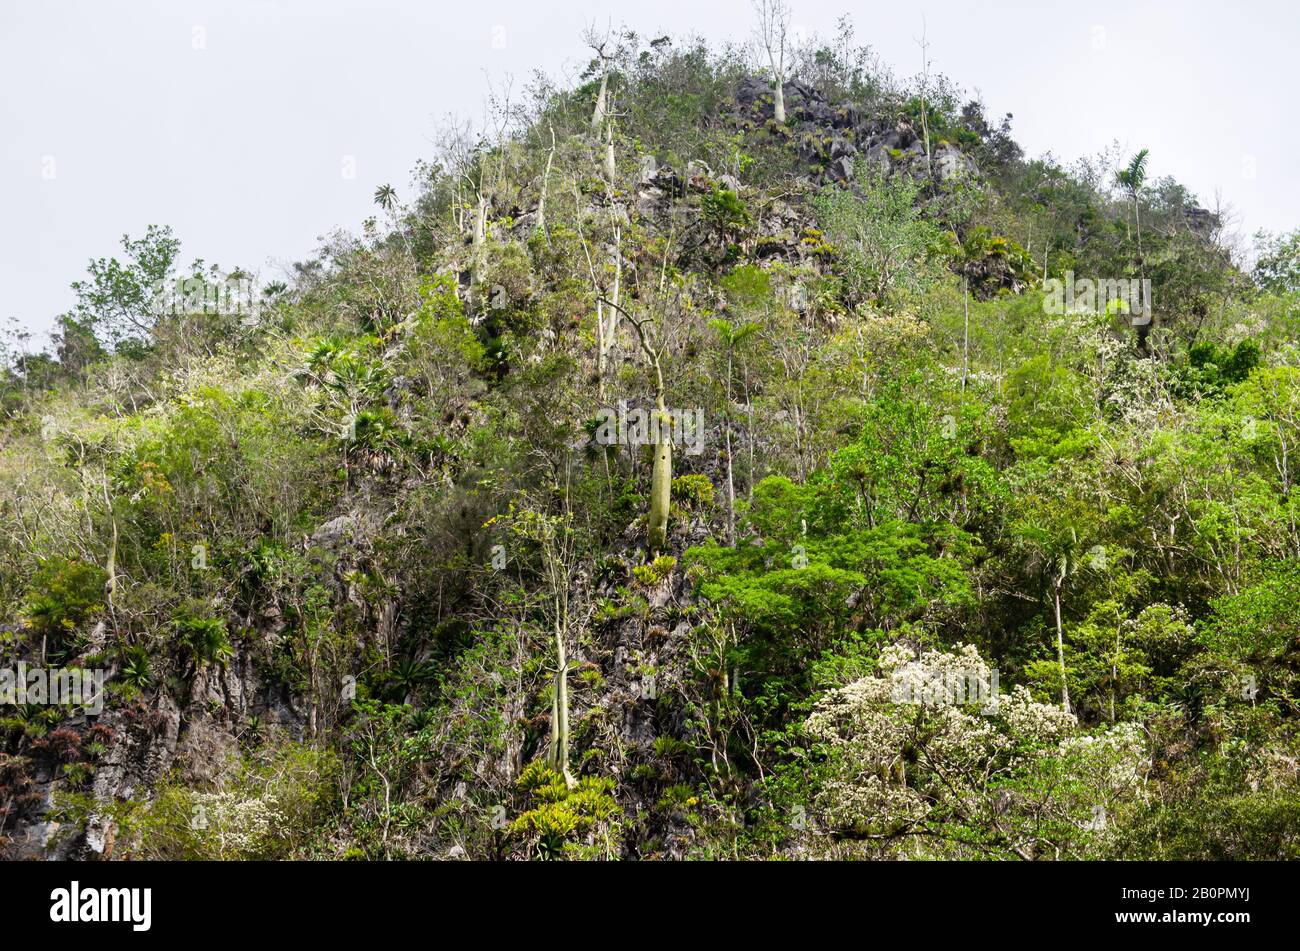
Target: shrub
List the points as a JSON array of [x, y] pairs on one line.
[[693, 491], [653, 574]]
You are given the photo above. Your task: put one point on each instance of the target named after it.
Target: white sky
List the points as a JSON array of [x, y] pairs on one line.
[[240, 145]]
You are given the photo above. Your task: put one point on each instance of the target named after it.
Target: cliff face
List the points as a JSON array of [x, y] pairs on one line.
[[843, 142]]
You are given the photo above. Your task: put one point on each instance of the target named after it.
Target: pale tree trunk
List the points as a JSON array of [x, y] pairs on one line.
[[1137, 220], [965, 334], [480, 238], [731, 485], [607, 312], [772, 31], [611, 169], [925, 83], [661, 475], [600, 349], [661, 479], [749, 436], [560, 710], [598, 113], [546, 181], [607, 325], [1060, 641], [1114, 670]]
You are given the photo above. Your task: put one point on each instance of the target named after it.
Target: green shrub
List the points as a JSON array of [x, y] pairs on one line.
[[655, 572], [693, 491]]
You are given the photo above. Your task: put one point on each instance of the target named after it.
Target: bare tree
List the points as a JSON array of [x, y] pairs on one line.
[[661, 475], [925, 88], [546, 181], [599, 44], [771, 34]]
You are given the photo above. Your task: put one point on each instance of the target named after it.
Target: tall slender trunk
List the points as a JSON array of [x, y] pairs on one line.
[[661, 478], [611, 169], [1060, 641], [965, 336], [1137, 221], [560, 710], [731, 485], [480, 239], [749, 435], [546, 180], [1114, 670], [598, 113]]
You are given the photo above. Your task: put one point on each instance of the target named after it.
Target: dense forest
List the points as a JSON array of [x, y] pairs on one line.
[[709, 459]]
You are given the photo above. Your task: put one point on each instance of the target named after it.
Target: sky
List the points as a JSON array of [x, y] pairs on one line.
[[254, 127]]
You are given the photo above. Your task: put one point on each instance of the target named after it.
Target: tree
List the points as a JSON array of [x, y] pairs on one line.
[[910, 762], [599, 45], [1049, 533], [731, 337], [1277, 267], [555, 540], [771, 33], [1131, 178], [661, 476], [118, 301], [883, 241], [924, 44], [386, 197]]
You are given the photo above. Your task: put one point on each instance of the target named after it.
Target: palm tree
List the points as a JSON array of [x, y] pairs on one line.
[[386, 197], [1131, 180]]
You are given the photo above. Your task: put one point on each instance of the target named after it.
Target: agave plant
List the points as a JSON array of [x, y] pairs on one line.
[[135, 667], [409, 675], [206, 639]]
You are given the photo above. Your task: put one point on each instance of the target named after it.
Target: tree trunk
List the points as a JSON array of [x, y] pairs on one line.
[[560, 712], [1060, 645], [611, 170], [1137, 220], [480, 239], [598, 113], [546, 180], [661, 479], [1114, 671], [731, 485], [965, 335], [778, 95]]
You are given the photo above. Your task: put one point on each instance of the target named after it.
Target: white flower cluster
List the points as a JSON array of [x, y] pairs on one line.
[[234, 826], [892, 765]]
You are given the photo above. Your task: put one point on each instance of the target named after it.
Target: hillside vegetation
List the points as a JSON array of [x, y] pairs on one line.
[[674, 470]]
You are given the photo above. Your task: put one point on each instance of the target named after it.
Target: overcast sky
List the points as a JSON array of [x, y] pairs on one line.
[[234, 121]]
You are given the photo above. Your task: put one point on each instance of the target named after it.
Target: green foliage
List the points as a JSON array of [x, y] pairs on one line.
[[1212, 368], [653, 574], [204, 638], [1277, 267], [884, 243], [561, 822], [724, 211], [64, 593], [693, 491], [388, 482]]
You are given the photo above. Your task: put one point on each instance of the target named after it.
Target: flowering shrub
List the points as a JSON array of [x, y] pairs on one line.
[[961, 779]]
